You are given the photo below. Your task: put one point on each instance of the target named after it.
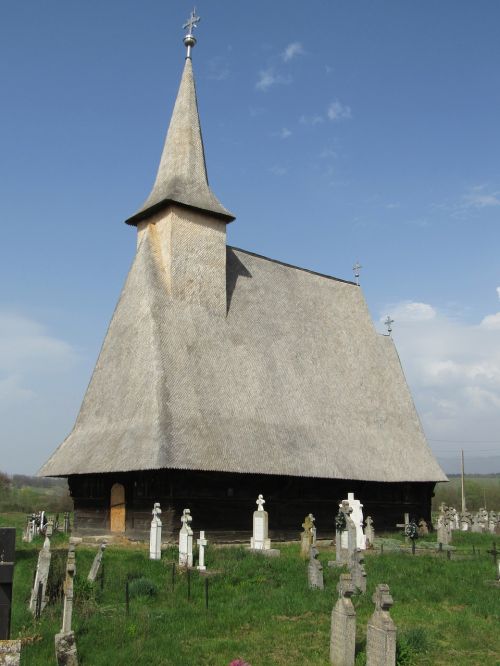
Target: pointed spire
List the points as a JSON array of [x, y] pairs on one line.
[[182, 174]]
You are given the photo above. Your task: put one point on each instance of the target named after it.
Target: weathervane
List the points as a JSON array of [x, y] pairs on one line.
[[189, 38], [389, 322], [356, 268]]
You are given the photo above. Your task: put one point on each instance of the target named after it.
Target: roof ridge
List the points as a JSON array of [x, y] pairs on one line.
[[299, 268]]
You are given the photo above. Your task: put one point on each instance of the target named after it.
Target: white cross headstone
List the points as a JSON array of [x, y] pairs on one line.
[[357, 518], [155, 535], [260, 539], [202, 543], [186, 540]]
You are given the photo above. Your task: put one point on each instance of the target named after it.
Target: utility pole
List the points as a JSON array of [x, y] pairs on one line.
[[463, 484]]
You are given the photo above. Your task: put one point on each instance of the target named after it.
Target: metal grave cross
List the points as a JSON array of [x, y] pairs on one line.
[[7, 558]]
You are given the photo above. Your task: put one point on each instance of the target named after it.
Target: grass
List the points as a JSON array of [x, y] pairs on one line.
[[260, 609]]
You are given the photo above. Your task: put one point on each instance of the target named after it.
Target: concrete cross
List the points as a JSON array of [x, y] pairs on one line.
[[156, 510], [345, 586], [186, 518], [260, 503], [382, 598]]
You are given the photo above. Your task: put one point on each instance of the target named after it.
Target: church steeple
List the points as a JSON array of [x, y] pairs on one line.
[[182, 174]]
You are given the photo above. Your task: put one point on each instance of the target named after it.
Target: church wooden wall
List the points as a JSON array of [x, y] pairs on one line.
[[222, 503]]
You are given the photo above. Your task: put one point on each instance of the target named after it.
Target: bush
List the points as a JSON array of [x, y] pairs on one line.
[[142, 587]]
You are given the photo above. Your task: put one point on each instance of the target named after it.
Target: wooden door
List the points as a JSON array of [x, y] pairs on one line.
[[117, 508]]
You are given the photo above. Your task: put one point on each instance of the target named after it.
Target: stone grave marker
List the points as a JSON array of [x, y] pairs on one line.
[[10, 653], [260, 541], [340, 528], [96, 564], [306, 537], [357, 518], [202, 544], [369, 532], [483, 519], [42, 574], [7, 559], [357, 569], [381, 633], [315, 570], [443, 528], [492, 522], [466, 521], [343, 625], [66, 522], [65, 645], [423, 529], [186, 540], [155, 534]]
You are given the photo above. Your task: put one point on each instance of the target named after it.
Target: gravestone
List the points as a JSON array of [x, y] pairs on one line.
[[492, 522], [369, 532], [483, 519], [476, 526], [357, 518], [315, 570], [186, 540], [67, 526], [381, 633], [7, 559], [202, 544], [466, 521], [10, 653], [42, 573], [155, 534], [423, 529], [343, 626], [453, 518], [96, 564], [260, 537], [306, 537], [357, 569], [443, 526], [65, 645]]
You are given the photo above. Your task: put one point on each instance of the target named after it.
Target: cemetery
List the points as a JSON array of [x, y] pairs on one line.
[[400, 597]]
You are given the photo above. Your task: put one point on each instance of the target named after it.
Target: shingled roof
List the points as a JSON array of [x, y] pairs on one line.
[[182, 173], [294, 381]]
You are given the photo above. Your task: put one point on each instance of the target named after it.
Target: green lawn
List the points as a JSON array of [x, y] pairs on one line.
[[260, 609]]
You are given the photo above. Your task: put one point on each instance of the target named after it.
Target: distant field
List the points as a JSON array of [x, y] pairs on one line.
[[479, 491], [261, 609]]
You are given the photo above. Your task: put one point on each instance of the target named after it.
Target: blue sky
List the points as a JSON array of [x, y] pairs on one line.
[[335, 131]]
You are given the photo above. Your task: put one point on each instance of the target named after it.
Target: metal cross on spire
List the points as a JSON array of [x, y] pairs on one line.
[[356, 268], [389, 322], [190, 25]]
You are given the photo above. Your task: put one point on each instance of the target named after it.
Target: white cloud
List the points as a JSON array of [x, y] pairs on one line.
[[338, 111], [292, 50], [277, 170], [491, 322], [218, 68], [453, 369], [285, 133], [268, 78], [408, 311], [311, 120], [498, 292]]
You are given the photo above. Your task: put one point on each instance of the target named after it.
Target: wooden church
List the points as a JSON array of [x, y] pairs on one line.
[[225, 374]]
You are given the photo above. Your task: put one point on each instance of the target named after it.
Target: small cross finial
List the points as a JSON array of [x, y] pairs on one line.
[[388, 323], [189, 38], [260, 501], [356, 268]]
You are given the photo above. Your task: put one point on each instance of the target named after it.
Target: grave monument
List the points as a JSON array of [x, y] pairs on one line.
[[343, 625]]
